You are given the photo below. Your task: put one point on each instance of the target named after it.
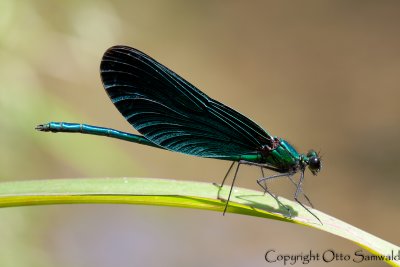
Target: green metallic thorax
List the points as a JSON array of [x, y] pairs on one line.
[[284, 157]]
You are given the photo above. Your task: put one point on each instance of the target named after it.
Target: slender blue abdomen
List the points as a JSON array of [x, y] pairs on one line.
[[95, 130]]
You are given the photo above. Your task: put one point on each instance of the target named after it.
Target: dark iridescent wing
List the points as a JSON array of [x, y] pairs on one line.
[[171, 112]]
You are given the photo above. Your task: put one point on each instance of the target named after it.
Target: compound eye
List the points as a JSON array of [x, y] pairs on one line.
[[314, 165]]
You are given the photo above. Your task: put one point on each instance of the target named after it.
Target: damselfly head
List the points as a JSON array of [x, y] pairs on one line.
[[314, 162]]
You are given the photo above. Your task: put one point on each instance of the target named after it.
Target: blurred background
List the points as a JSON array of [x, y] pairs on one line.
[[321, 74]]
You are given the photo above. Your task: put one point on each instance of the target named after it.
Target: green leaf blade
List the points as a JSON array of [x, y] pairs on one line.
[[184, 194]]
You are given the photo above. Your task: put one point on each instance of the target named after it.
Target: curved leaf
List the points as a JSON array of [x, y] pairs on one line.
[[184, 194]]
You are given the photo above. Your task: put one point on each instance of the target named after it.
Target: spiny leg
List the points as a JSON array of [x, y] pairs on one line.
[[223, 181], [298, 190], [305, 196], [263, 175], [263, 179], [230, 191], [293, 182], [227, 173], [264, 186]]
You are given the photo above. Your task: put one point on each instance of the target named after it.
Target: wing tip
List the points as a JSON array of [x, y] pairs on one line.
[[121, 48]]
